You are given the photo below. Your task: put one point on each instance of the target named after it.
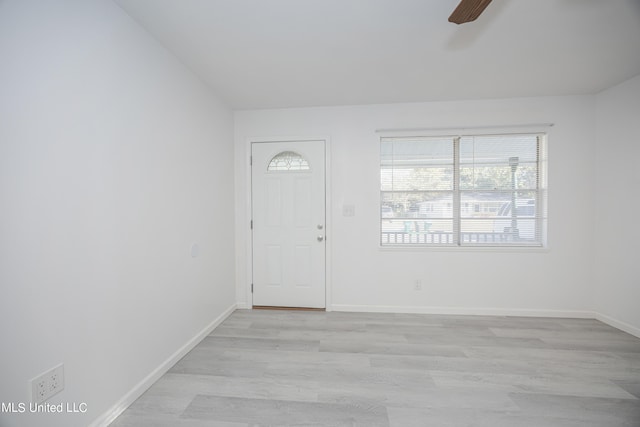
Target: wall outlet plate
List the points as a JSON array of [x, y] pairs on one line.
[[47, 384]]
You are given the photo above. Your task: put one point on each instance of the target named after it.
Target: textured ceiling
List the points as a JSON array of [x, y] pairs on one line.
[[294, 53]]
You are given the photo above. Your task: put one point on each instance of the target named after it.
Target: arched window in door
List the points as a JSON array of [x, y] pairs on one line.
[[288, 161]]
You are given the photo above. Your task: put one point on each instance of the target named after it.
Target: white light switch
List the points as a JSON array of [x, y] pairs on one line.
[[195, 250], [348, 210]]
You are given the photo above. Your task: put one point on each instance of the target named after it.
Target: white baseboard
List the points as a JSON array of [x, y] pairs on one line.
[[630, 329], [243, 306], [465, 311], [117, 409]]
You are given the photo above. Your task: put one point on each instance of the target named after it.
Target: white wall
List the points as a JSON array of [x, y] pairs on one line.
[[364, 277], [618, 205], [113, 161]]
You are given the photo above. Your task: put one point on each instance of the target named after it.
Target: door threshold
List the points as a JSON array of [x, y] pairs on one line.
[[270, 307]]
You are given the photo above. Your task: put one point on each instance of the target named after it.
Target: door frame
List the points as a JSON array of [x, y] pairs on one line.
[[327, 208]]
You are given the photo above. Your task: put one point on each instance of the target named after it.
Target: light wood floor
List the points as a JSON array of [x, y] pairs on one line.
[[280, 368]]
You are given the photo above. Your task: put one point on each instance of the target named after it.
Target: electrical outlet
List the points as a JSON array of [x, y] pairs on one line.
[[47, 384], [56, 380], [417, 286], [40, 390]]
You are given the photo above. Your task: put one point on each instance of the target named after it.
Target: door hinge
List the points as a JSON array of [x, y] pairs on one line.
[[250, 160], [251, 224], [252, 288]]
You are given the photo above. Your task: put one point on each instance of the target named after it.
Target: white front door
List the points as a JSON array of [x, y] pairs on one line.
[[288, 211]]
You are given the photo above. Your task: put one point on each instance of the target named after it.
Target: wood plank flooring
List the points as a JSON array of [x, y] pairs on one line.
[[305, 368]]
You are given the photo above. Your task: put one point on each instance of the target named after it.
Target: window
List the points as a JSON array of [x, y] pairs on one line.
[[461, 190], [288, 161]]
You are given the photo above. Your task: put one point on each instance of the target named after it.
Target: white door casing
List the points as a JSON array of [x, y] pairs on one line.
[[288, 214]]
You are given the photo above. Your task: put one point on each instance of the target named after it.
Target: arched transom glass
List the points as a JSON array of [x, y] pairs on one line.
[[288, 161]]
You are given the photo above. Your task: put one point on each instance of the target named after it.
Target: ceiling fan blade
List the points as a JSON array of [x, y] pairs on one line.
[[468, 10]]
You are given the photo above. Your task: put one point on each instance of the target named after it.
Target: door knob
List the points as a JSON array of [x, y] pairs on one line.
[[320, 238], [320, 226]]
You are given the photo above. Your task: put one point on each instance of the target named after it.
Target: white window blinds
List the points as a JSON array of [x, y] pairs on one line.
[[460, 190]]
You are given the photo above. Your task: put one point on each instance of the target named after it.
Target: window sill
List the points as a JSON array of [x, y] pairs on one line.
[[486, 249]]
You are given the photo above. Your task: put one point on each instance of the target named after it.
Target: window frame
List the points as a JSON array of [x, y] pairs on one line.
[[458, 243]]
